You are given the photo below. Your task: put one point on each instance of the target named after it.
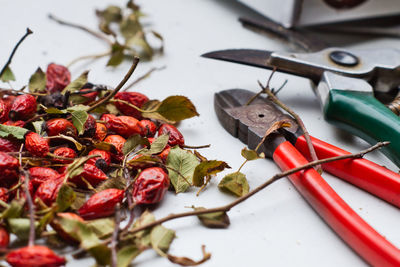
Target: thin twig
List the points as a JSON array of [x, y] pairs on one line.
[[81, 27], [114, 239], [28, 31], [262, 91], [299, 121], [196, 147], [31, 240], [273, 179], [144, 76], [119, 86], [93, 56]]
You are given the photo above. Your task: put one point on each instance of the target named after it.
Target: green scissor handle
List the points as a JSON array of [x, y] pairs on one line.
[[361, 114]]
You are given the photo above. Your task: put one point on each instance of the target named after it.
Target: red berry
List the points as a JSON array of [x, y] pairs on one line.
[[101, 204], [91, 96], [150, 186], [134, 98], [8, 169], [42, 174], [91, 174], [34, 256], [118, 141], [8, 145], [36, 145], [60, 126], [3, 111], [48, 190], [58, 77], [164, 154], [65, 152], [101, 131], [175, 136], [149, 128], [122, 125], [23, 107], [4, 238], [15, 123]]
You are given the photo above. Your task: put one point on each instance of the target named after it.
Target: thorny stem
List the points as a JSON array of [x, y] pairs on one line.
[[28, 31], [273, 179], [144, 76], [262, 91], [114, 239], [80, 27], [298, 120], [119, 86], [94, 56]]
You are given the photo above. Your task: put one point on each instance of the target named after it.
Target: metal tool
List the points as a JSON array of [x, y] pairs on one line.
[[346, 82], [249, 124]]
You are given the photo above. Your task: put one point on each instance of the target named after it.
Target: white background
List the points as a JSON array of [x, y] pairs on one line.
[[274, 228]]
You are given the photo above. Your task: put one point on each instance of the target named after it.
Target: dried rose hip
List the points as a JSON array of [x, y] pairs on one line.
[[8, 145], [58, 77], [101, 162], [3, 111], [35, 256], [150, 186], [90, 96], [134, 98], [8, 169], [122, 125], [91, 174], [4, 237], [175, 136], [15, 123], [42, 174], [101, 131], [36, 145], [164, 154], [65, 152], [101, 204], [89, 127], [60, 126], [118, 141], [23, 107], [57, 227], [48, 190], [148, 127]]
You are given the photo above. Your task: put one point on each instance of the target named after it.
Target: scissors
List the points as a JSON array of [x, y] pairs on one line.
[[289, 150], [346, 81]]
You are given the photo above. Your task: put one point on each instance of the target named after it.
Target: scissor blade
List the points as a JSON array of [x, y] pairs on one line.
[[252, 57]]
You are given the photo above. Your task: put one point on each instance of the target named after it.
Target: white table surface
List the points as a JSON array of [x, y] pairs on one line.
[[274, 228]]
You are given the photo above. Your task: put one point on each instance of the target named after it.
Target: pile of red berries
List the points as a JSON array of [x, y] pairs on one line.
[[49, 155]]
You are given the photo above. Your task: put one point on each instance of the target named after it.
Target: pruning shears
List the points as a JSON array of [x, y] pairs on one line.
[[288, 148], [347, 82]]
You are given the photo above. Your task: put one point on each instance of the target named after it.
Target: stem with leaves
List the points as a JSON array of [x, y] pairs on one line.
[[28, 31], [273, 179]]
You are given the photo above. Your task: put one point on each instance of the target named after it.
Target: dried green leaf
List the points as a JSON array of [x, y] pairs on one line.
[[181, 165], [177, 108], [79, 118], [38, 125], [140, 46], [76, 167], [117, 55], [53, 110], [7, 75], [133, 142], [144, 161], [117, 182], [213, 220], [161, 238], [77, 99], [107, 16], [77, 108], [146, 218], [101, 227], [126, 255], [79, 201], [234, 183], [14, 131], [37, 82], [206, 168], [14, 209], [20, 227], [106, 146], [250, 154], [101, 253], [78, 145], [66, 196], [130, 27], [159, 37], [159, 144], [185, 261], [76, 84]]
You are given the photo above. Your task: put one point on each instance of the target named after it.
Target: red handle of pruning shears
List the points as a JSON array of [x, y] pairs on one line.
[[358, 234], [362, 173]]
